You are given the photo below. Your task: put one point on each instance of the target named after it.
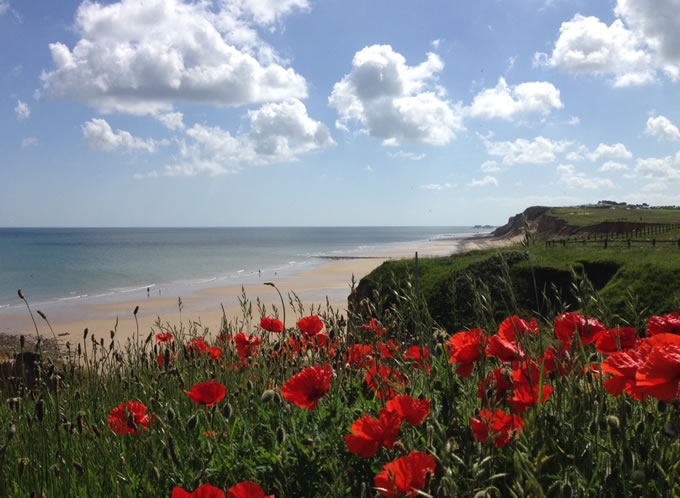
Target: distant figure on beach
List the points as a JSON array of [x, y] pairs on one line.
[[148, 292], [259, 272], [159, 291]]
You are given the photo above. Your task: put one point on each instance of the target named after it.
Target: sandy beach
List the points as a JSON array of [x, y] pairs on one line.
[[328, 282]]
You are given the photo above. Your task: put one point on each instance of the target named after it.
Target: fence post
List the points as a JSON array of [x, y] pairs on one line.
[[605, 243], [653, 242], [628, 243]]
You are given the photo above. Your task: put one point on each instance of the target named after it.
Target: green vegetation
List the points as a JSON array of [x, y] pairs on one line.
[[584, 216]]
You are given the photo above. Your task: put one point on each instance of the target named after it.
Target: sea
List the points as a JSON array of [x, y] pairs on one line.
[[58, 265]]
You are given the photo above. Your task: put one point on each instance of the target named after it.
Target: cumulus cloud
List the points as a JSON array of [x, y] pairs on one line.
[[396, 102], [662, 128], [278, 132], [193, 52], [99, 135], [436, 186], [540, 150], [643, 41], [407, 155], [487, 181], [171, 120], [27, 142], [610, 166], [489, 167], [658, 168], [22, 110], [615, 151], [506, 102], [573, 179]]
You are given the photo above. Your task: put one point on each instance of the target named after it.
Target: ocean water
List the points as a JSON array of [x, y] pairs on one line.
[[53, 265]]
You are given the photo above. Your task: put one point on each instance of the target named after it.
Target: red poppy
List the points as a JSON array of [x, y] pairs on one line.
[[667, 324], [526, 392], [556, 359], [271, 324], [246, 345], [385, 381], [307, 387], [499, 425], [504, 350], [418, 356], [623, 368], [617, 339], [207, 393], [247, 489], [373, 326], [465, 348], [514, 327], [310, 325], [358, 354], [197, 345], [660, 374], [203, 491], [215, 353], [412, 410], [164, 337], [129, 417], [405, 475], [568, 323], [369, 434], [224, 338], [497, 380], [387, 348]]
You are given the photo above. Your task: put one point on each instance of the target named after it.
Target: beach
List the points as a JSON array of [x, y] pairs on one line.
[[328, 282]]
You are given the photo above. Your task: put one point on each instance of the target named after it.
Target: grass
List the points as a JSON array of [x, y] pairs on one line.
[[584, 216], [578, 441]]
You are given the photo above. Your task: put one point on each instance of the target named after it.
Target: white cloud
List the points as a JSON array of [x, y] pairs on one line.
[[4, 6], [278, 132], [268, 11], [484, 182], [436, 186], [22, 110], [572, 179], [435, 43], [610, 166], [171, 120], [396, 102], [657, 168], [573, 121], [140, 57], [368, 169], [99, 135], [506, 102], [577, 155], [538, 151], [616, 151], [489, 167], [657, 21], [407, 155], [27, 142], [662, 128]]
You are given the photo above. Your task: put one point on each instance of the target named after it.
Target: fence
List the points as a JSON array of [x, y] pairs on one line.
[[631, 238]]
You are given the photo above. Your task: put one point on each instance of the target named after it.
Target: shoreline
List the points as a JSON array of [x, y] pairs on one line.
[[326, 282]]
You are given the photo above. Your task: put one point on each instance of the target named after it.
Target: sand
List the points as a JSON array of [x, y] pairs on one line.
[[329, 282]]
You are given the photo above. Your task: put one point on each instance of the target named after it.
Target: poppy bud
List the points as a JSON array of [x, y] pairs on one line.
[[122, 460], [79, 421], [249, 385], [42, 315], [192, 422], [638, 476], [79, 467], [156, 473], [669, 430], [280, 435], [22, 465], [268, 396], [171, 414], [226, 410], [22, 341], [21, 294], [40, 409], [85, 332], [399, 446], [136, 310], [613, 422], [112, 334]]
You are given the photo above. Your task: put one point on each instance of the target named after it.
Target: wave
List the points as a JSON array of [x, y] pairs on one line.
[[143, 287], [71, 298]]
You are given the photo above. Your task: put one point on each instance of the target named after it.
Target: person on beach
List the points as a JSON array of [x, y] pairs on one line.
[[148, 292]]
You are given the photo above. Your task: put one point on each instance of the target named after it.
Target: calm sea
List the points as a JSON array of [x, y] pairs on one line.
[[54, 265]]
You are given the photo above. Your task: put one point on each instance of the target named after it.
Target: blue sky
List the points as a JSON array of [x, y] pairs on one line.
[[333, 112]]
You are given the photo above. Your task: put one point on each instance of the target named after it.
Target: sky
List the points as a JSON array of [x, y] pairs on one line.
[[333, 112]]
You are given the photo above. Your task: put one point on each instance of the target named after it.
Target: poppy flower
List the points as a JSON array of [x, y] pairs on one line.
[[129, 417], [373, 327], [308, 387], [623, 367], [215, 353], [503, 349], [207, 393], [197, 345], [499, 425], [247, 489], [667, 324], [660, 374], [369, 434], [310, 325], [164, 337], [412, 410], [556, 359], [617, 339], [387, 349], [514, 327], [465, 348], [496, 380], [567, 324], [203, 491], [385, 381], [246, 345], [526, 392], [405, 475], [358, 354], [271, 324], [418, 356]]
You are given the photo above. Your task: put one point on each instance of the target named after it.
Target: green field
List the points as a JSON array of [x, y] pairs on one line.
[[584, 216]]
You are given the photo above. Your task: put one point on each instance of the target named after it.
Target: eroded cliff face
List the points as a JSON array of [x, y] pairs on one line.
[[515, 224]]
